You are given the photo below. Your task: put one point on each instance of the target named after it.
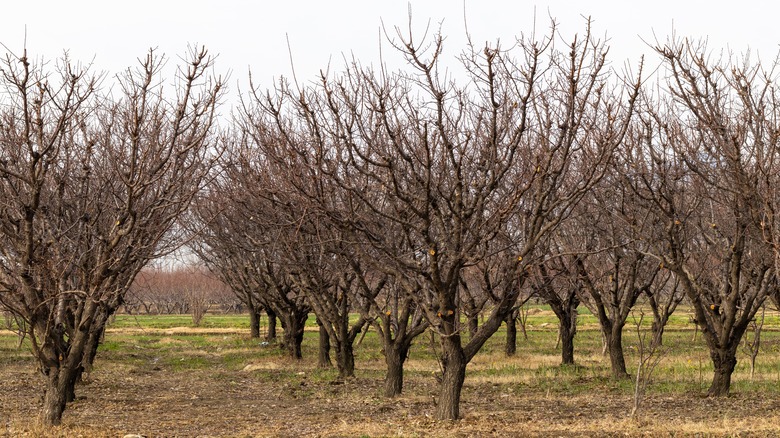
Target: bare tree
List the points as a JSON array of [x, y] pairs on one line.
[[239, 239], [700, 162], [457, 167], [556, 282], [91, 189]]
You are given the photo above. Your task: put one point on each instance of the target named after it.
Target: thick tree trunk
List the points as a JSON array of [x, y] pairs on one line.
[[254, 323], [454, 364], [395, 356], [345, 359], [294, 324], [61, 380], [270, 335], [567, 330], [614, 345], [510, 348], [323, 360], [60, 384], [724, 361]]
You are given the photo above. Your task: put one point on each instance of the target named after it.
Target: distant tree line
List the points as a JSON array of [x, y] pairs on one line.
[[412, 200]]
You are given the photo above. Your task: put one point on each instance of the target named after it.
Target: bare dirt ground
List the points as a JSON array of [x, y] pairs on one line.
[[248, 403], [274, 397]]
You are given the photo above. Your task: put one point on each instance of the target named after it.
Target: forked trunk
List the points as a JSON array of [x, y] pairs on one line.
[[454, 364], [345, 359], [658, 331], [395, 356], [724, 360], [294, 324], [59, 384]]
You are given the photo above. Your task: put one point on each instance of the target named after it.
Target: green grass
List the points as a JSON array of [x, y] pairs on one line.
[[685, 365]]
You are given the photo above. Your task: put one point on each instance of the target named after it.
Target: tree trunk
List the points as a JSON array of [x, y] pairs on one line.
[[724, 361], [323, 360], [614, 345], [345, 359], [454, 364], [270, 335], [90, 353], [254, 323], [567, 330], [658, 332], [294, 323], [60, 384], [395, 356], [510, 348]]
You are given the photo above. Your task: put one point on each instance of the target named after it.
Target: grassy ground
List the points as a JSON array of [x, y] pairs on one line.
[[158, 376]]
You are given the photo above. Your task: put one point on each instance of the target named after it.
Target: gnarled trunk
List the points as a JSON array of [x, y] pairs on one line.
[[724, 361], [293, 324], [454, 364], [59, 388], [345, 359], [395, 356]]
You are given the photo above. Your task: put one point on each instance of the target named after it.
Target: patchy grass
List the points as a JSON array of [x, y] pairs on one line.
[[157, 378]]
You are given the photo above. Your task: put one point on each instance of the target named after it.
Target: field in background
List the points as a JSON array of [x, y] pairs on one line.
[[158, 376]]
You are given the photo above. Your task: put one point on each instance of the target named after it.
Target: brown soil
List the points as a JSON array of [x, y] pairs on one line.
[[252, 403], [274, 397]]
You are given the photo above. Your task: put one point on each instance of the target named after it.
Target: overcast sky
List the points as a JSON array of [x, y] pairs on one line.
[[253, 34]]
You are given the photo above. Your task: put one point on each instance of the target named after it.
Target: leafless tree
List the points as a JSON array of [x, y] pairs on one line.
[[555, 281], [457, 167], [612, 271], [700, 162], [91, 186], [239, 238]]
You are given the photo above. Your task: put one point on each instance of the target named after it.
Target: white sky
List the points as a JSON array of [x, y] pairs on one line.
[[252, 34]]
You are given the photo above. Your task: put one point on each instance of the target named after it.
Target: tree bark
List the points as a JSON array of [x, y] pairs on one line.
[[568, 329], [294, 324], [270, 335], [510, 348], [345, 359], [724, 361], [254, 323], [323, 360], [60, 385], [658, 330], [566, 311], [614, 344], [473, 323], [454, 364], [395, 356]]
